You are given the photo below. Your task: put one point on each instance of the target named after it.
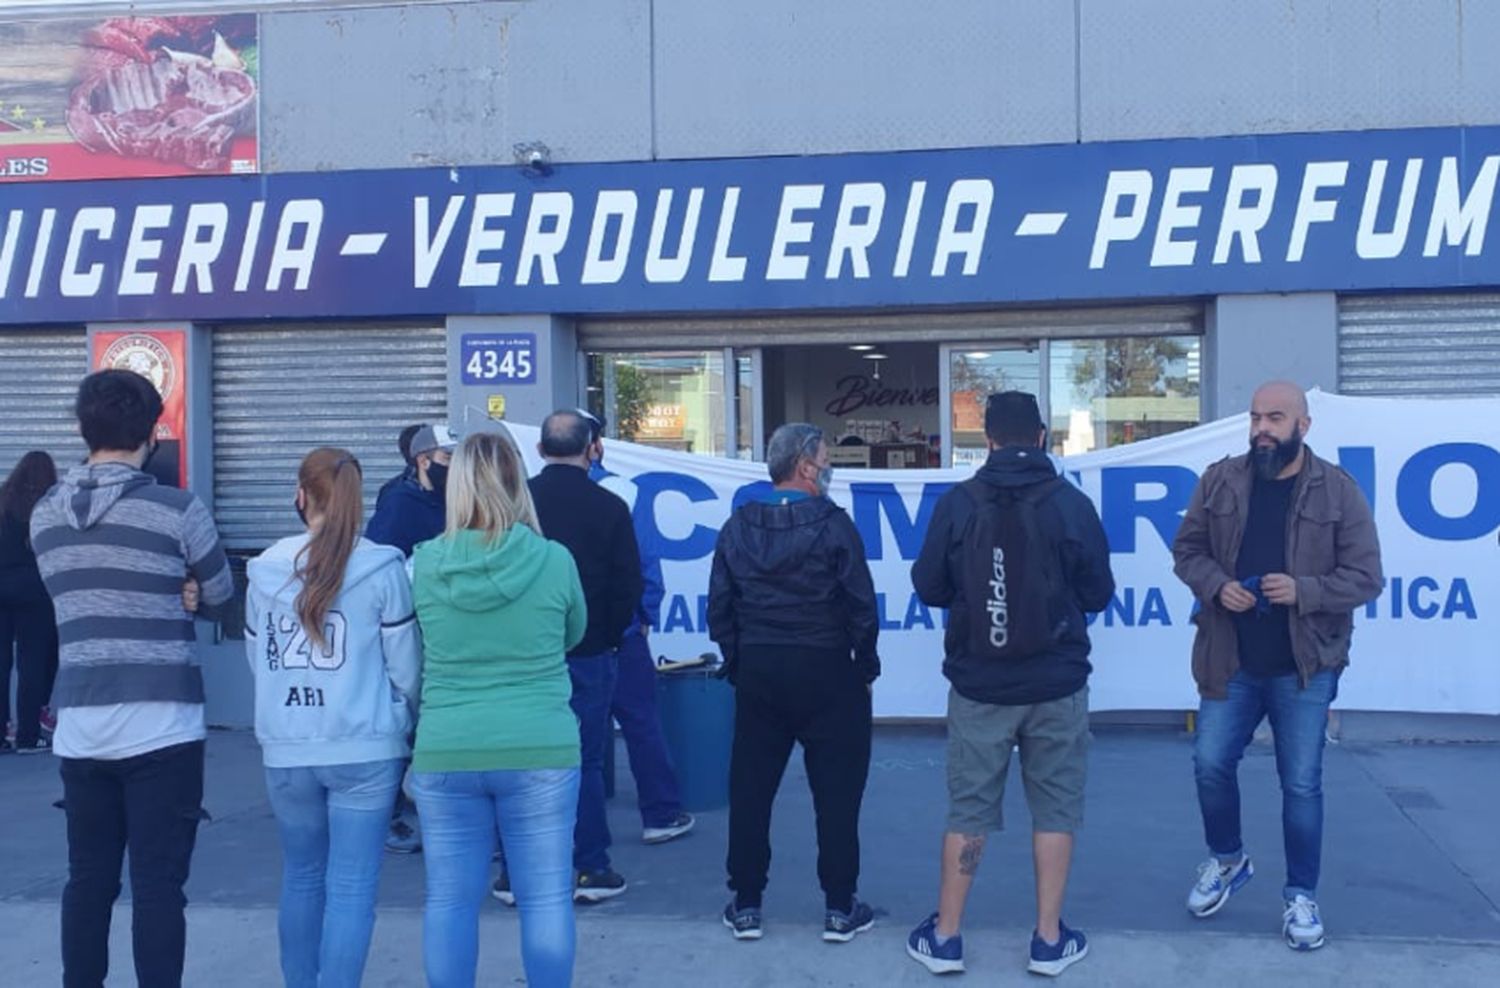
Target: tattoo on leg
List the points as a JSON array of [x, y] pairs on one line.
[[969, 855]]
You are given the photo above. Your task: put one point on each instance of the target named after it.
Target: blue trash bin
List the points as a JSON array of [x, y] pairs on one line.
[[697, 719]]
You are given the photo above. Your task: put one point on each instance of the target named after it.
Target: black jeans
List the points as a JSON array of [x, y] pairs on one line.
[[784, 696], [29, 632], [151, 804]]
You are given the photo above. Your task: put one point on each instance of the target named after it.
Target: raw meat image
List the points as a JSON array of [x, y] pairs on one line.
[[170, 88], [129, 97]]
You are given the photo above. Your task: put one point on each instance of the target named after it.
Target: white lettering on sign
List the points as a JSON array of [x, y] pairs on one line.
[[1175, 216], [8, 251], [612, 204], [789, 230], [85, 283], [1241, 221], [541, 247], [661, 269], [247, 249], [429, 246], [724, 266], [855, 238], [487, 206], [143, 247], [1372, 245], [302, 217], [1454, 221], [1115, 226], [39, 253], [909, 229], [978, 193], [197, 255], [1319, 175], [867, 238]]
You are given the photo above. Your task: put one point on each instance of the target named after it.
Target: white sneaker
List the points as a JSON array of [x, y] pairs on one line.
[[1302, 925], [1216, 883], [683, 823]]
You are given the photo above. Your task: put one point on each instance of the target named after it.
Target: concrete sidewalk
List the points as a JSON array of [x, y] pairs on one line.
[[1410, 892]]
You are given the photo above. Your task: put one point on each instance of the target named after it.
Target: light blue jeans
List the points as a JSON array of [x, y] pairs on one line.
[[535, 809], [333, 821]]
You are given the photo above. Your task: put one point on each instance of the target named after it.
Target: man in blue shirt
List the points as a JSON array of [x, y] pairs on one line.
[[634, 706], [410, 511]]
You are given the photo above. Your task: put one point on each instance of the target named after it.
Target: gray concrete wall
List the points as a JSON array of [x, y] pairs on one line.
[[601, 80], [1252, 339], [557, 377]]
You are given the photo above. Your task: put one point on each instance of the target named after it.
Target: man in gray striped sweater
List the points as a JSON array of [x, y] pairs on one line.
[[121, 557]]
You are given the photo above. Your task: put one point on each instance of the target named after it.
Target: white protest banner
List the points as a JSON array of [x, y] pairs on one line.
[[1431, 643]]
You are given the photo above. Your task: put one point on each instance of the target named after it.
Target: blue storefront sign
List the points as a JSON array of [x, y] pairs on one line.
[[1335, 212]]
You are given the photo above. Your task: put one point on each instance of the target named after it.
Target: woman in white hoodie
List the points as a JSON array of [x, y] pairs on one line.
[[334, 647]]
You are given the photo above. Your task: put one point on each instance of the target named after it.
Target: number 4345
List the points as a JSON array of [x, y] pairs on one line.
[[490, 364]]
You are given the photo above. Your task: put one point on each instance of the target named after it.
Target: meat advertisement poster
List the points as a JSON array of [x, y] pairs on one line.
[[129, 97]]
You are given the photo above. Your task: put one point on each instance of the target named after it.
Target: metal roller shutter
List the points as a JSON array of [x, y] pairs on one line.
[[280, 392], [39, 375], [1420, 346]]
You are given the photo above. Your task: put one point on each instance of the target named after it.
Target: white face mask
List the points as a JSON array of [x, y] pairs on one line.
[[825, 480]]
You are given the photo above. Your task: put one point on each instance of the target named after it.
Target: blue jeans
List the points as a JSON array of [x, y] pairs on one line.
[[634, 707], [333, 821], [535, 810], [1299, 718], [593, 691]]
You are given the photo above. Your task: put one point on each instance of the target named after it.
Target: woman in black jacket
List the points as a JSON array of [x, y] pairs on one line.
[[28, 630]]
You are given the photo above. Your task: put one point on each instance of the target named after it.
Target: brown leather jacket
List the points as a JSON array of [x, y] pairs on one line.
[[1331, 549]]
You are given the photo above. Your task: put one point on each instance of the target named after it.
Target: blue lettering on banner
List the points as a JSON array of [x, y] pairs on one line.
[[1414, 491], [700, 541], [871, 501], [1425, 598], [1122, 505], [1154, 219], [1121, 609]]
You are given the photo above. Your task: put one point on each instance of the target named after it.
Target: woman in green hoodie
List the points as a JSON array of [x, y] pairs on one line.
[[497, 745]]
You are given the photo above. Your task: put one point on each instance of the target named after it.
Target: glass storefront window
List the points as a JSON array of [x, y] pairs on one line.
[[973, 375], [1110, 392], [745, 406], [670, 399]]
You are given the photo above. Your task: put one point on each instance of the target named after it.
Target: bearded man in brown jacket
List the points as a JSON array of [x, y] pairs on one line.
[[1279, 547]]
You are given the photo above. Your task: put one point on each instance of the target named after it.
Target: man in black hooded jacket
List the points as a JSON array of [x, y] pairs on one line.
[[1034, 699], [792, 606]]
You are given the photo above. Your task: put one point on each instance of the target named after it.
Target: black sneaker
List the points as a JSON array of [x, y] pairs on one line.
[[6, 747], [501, 890], [596, 886], [680, 825], [40, 746], [403, 838], [840, 927], [743, 923]]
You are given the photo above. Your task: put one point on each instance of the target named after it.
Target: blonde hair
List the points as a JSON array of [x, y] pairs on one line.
[[487, 486]]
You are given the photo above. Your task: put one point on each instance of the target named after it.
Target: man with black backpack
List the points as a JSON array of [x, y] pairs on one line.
[[1018, 556]]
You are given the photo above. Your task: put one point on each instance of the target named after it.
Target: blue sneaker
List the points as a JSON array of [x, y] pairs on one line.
[[922, 947], [1216, 883], [1302, 925], [1053, 959]]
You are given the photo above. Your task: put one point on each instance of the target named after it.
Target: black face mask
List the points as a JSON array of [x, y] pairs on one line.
[[150, 453], [297, 507], [1270, 460], [437, 476]]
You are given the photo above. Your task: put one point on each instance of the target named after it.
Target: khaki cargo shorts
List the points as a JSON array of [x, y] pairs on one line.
[[1054, 742]]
